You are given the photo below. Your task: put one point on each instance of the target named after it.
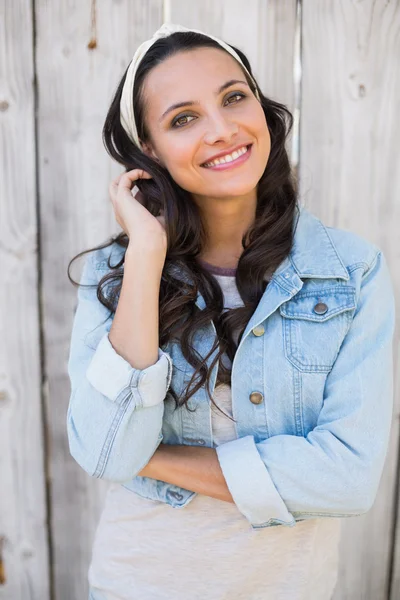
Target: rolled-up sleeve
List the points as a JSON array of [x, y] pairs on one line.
[[110, 374], [336, 469], [115, 411]]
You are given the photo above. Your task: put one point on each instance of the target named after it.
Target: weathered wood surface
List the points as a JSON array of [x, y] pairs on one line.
[[24, 559], [350, 176], [81, 55], [344, 146]]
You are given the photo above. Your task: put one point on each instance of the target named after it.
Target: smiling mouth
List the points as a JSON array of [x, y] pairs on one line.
[[226, 165]]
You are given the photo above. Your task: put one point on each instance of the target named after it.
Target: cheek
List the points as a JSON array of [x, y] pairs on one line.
[[267, 138], [179, 155], [260, 124], [181, 161], [264, 138], [180, 165]]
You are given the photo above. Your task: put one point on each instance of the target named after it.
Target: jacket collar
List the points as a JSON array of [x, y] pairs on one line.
[[313, 253]]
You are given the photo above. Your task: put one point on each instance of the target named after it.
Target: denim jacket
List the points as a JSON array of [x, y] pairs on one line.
[[312, 388]]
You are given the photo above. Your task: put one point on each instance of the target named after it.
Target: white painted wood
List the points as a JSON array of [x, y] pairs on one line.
[[81, 58], [350, 177], [23, 533]]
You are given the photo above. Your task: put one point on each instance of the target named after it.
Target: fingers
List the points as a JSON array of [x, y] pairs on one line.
[[127, 178], [114, 184]]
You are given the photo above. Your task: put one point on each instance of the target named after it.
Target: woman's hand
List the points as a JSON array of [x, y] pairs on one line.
[[137, 222]]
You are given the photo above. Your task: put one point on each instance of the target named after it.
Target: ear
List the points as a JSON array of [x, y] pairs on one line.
[[146, 148]]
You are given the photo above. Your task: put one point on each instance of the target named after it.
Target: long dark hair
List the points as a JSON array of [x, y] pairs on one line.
[[266, 243]]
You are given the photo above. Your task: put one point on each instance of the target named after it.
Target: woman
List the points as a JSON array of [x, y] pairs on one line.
[[231, 356]]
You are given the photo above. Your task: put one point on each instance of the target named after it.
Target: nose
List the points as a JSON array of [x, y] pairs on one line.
[[220, 128]]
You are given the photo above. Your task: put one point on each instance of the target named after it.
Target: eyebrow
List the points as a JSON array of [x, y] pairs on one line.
[[192, 103]]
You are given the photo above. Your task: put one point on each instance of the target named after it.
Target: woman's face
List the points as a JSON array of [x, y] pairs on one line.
[[186, 137]]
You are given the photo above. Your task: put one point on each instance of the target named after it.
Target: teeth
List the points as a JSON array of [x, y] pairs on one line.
[[227, 158]]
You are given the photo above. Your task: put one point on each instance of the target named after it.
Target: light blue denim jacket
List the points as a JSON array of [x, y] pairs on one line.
[[317, 349]]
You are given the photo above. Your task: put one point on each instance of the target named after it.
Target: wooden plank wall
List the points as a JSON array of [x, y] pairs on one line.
[[349, 132], [24, 553], [82, 50], [60, 64]]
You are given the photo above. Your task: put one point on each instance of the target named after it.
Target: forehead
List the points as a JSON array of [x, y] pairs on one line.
[[187, 76]]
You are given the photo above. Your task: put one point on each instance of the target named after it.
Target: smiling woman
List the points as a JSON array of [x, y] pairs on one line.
[[221, 119], [215, 358]]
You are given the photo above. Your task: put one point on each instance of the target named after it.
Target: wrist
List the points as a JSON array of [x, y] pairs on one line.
[[155, 252]]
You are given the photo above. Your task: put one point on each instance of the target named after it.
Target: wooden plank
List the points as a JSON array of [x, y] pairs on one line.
[[349, 154], [81, 57], [24, 561]]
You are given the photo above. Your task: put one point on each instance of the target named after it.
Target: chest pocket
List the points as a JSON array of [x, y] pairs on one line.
[[315, 323]]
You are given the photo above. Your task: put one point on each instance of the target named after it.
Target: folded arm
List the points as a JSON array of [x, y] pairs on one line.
[[336, 469], [191, 467]]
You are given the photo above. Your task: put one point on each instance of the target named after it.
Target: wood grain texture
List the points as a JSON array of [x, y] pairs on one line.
[[83, 50], [24, 562], [350, 177]]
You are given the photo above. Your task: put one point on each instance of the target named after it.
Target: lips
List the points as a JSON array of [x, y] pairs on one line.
[[232, 164], [215, 157]]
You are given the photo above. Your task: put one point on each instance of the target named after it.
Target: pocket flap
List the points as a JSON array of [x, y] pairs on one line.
[[319, 304]]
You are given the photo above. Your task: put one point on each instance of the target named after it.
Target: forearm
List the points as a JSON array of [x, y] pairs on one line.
[[195, 469], [134, 331]]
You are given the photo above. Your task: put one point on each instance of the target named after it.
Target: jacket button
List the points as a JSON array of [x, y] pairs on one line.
[[320, 308], [256, 397], [259, 330]]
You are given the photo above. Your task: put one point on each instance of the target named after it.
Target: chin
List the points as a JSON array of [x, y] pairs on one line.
[[238, 187], [230, 192]]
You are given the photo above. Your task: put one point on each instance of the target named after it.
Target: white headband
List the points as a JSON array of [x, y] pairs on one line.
[[126, 104]]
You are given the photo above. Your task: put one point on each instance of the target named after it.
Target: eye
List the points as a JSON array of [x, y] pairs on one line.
[[173, 124], [239, 95]]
